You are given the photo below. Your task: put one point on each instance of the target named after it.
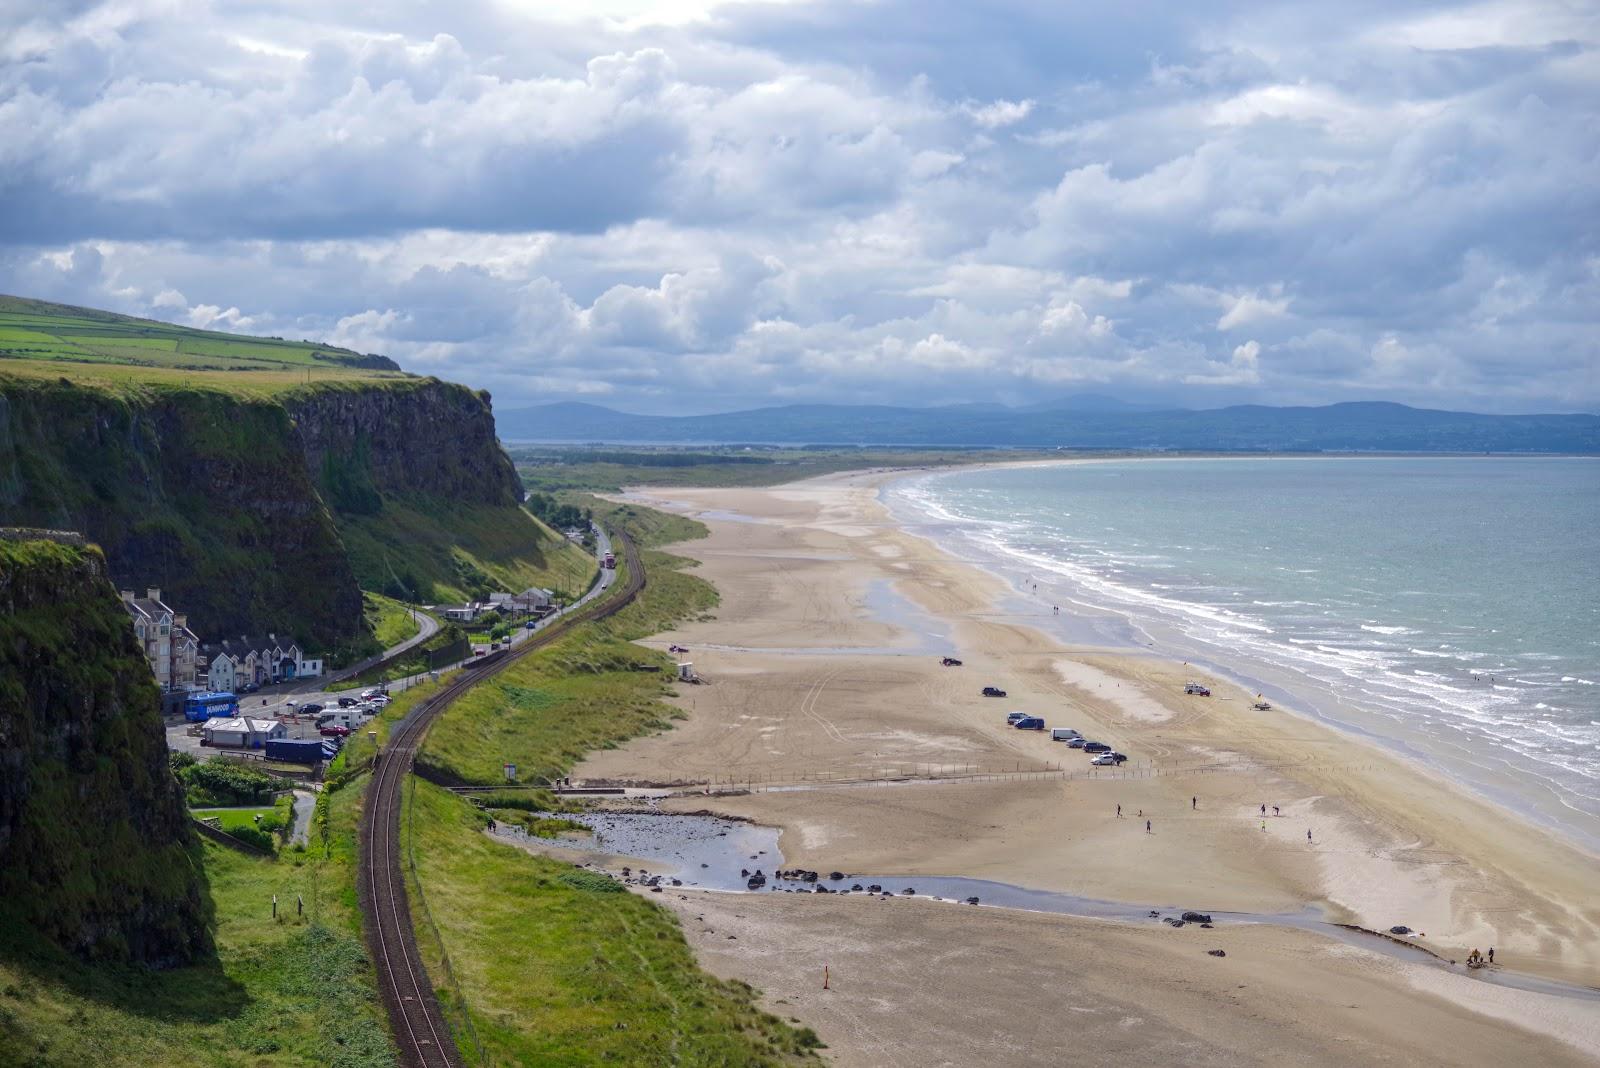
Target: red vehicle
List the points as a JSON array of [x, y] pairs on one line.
[[334, 731]]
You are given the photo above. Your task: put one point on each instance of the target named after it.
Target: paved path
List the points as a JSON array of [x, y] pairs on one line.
[[305, 803]]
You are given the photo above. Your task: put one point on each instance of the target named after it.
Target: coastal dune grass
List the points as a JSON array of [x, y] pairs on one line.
[[556, 966], [587, 691], [291, 992]]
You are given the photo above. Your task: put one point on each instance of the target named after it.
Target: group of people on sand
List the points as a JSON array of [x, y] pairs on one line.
[[1478, 958]]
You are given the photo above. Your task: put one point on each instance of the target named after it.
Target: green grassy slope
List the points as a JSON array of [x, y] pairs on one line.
[[560, 966], [292, 992], [429, 551], [42, 331]]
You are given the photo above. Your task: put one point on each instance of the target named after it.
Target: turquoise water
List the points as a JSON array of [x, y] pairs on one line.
[[1448, 606]]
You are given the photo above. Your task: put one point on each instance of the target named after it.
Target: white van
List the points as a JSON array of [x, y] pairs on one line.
[[1063, 734]]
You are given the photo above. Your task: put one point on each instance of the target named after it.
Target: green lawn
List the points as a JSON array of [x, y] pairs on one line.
[[292, 992], [232, 817], [557, 965]]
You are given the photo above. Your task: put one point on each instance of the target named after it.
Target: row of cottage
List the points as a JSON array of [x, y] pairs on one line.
[[182, 662]]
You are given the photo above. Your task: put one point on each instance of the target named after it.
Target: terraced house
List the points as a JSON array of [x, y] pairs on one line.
[[233, 662], [169, 645]]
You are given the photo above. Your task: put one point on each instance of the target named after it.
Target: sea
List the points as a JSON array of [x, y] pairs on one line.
[[1446, 607]]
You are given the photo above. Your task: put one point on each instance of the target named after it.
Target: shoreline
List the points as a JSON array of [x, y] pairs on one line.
[[793, 692], [1288, 687]]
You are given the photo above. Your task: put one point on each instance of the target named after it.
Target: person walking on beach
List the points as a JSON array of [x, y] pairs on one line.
[[1491, 954], [1308, 835], [1263, 808], [1119, 812], [1147, 829], [1194, 803], [1275, 811]]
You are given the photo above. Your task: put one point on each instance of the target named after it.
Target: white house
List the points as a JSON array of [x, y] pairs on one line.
[[232, 662], [461, 613], [243, 732]]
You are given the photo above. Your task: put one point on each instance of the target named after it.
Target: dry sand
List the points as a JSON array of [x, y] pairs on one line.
[[823, 668]]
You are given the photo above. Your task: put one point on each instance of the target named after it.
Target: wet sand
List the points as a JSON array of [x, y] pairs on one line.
[[823, 665]]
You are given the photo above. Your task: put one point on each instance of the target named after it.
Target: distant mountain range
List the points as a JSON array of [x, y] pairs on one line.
[[1103, 425]]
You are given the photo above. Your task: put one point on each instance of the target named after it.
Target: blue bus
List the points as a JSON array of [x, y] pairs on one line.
[[203, 706]]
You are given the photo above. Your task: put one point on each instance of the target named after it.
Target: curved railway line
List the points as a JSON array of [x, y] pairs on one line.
[[419, 1029]]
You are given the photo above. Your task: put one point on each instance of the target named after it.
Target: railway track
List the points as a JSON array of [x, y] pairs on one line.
[[419, 1028]]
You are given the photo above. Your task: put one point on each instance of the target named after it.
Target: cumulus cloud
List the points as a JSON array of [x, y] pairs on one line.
[[673, 204]]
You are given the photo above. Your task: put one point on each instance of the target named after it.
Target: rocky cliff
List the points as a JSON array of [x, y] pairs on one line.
[[203, 493], [420, 437], [96, 849]]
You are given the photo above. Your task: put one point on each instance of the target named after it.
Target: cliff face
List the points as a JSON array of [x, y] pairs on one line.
[[202, 493], [421, 438], [265, 513], [96, 849]]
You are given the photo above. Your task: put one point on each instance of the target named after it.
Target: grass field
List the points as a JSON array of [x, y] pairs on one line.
[[292, 992], [391, 621], [557, 965], [39, 331]]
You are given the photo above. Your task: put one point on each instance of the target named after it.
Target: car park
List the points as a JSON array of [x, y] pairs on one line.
[[993, 691]]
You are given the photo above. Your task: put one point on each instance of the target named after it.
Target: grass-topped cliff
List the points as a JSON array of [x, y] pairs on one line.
[[265, 500], [97, 856]]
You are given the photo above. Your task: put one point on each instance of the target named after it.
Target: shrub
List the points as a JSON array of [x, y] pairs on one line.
[[254, 835], [593, 881], [220, 781]]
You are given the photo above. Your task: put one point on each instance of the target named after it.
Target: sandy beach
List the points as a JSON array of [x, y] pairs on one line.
[[823, 680]]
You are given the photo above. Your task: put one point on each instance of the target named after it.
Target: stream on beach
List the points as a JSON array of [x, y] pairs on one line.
[[715, 853]]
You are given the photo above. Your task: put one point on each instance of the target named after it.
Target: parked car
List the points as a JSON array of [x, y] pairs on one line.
[[1030, 723], [1096, 747], [1077, 743], [310, 709], [950, 661], [348, 702], [333, 730], [1106, 760], [530, 625], [1197, 689], [249, 687], [993, 691], [376, 691], [1012, 717], [380, 701], [1063, 734]]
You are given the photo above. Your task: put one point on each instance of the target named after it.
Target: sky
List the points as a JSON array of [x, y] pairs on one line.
[[689, 206]]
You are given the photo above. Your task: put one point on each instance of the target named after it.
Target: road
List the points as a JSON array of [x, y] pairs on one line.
[[272, 702], [419, 1029]]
